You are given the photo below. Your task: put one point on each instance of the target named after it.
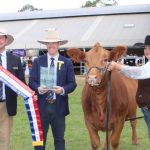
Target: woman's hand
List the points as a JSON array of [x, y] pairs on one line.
[[114, 66]]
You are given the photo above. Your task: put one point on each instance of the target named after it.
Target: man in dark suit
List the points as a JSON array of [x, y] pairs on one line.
[[8, 98], [54, 89]]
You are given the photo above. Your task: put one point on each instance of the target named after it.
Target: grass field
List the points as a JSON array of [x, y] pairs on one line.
[[76, 133]]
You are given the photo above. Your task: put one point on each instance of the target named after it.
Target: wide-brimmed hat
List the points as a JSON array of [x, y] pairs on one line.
[[52, 36], [147, 41], [10, 38]]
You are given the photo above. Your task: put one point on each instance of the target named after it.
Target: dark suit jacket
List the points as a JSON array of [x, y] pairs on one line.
[[65, 78], [14, 66]]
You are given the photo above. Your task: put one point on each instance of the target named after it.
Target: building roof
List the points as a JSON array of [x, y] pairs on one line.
[[83, 27], [79, 12]]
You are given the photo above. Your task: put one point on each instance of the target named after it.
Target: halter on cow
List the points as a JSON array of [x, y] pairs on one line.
[[94, 95]]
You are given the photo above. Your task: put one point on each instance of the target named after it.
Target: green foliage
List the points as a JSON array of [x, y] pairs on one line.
[[91, 3], [95, 3], [76, 135], [29, 7]]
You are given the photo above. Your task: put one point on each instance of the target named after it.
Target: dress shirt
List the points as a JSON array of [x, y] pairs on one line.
[[55, 67], [137, 72], [4, 64]]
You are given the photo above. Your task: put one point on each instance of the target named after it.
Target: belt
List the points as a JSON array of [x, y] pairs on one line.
[[2, 100], [51, 101]]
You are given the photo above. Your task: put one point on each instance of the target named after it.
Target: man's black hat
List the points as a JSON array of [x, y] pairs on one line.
[[138, 45], [147, 41]]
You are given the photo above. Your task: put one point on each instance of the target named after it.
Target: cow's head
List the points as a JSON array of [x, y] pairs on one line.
[[96, 61]]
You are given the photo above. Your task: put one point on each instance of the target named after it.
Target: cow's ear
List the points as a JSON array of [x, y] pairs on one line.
[[117, 52], [76, 54]]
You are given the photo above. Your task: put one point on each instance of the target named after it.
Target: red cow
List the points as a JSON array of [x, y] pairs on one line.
[[94, 95]]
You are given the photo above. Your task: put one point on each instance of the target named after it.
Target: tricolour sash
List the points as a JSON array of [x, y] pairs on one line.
[[30, 101]]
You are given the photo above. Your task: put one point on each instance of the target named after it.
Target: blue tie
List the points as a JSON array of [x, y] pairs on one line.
[[50, 93], [1, 83]]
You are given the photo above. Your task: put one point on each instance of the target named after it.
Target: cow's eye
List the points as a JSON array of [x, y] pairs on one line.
[[85, 60], [87, 63], [105, 60]]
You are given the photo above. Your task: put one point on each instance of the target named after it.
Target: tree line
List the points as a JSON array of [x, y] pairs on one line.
[[94, 3]]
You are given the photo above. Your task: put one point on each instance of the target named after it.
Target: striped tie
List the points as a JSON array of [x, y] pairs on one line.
[[50, 94]]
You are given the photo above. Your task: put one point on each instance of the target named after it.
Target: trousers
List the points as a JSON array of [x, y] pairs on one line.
[[6, 123], [147, 119], [49, 117]]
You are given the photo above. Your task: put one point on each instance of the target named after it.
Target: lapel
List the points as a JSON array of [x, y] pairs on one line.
[[44, 62], [9, 59], [59, 72]]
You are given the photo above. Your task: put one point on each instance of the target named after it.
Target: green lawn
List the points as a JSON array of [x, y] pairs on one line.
[[76, 133]]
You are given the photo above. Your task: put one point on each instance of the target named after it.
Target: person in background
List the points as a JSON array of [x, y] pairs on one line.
[[23, 63], [8, 98], [53, 100], [142, 73], [30, 64]]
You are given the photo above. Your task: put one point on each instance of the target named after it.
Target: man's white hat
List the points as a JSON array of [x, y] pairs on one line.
[[52, 36], [10, 38]]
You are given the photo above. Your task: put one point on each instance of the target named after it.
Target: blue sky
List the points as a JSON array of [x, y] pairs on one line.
[[7, 6]]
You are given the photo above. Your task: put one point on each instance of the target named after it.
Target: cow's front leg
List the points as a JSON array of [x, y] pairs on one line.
[[94, 137], [116, 133]]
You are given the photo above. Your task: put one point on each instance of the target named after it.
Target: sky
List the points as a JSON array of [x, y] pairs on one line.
[[8, 6]]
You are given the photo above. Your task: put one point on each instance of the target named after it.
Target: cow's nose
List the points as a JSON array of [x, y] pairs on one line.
[[92, 80]]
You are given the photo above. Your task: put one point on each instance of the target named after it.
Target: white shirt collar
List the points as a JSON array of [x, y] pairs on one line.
[[3, 54], [56, 57]]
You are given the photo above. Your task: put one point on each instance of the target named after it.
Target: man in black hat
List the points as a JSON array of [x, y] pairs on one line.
[[142, 73]]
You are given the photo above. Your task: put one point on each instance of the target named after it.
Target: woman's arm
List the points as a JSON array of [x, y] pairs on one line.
[[135, 72]]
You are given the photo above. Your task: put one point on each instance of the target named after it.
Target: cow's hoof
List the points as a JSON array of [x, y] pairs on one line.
[[135, 142]]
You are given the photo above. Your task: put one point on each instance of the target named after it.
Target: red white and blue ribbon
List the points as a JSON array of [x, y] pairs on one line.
[[30, 101]]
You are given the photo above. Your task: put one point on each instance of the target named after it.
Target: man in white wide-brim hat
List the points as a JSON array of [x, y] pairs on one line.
[[52, 36], [8, 98], [52, 77]]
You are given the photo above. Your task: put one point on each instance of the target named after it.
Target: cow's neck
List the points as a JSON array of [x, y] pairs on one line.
[[95, 101], [99, 95]]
